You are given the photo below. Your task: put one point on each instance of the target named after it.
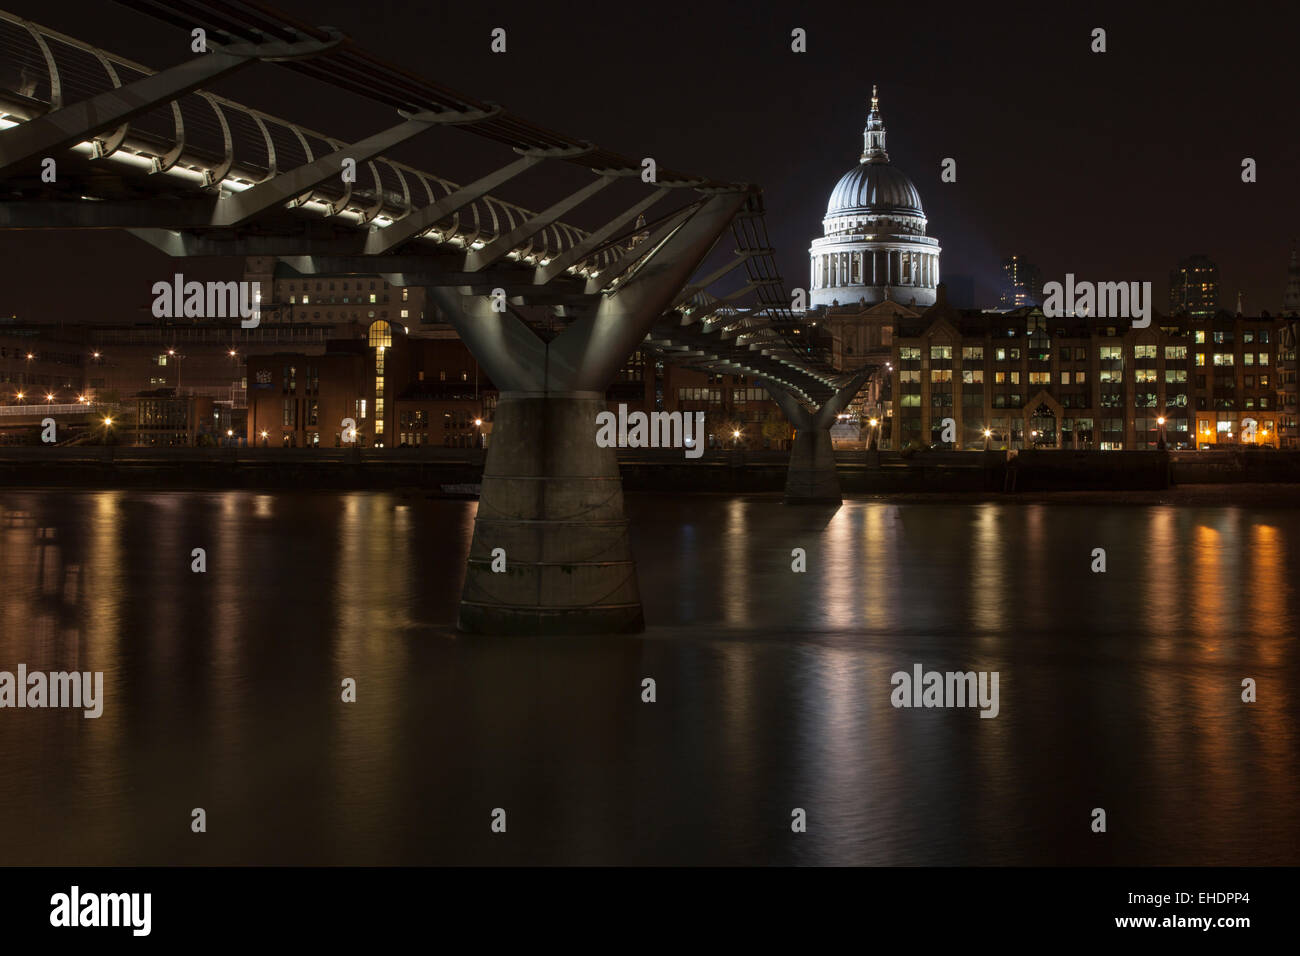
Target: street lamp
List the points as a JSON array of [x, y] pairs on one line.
[[1161, 443], [172, 353], [988, 433], [263, 438], [873, 442]]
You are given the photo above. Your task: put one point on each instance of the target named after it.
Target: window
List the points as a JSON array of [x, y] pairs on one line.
[[1080, 378], [1065, 378], [1199, 338], [1144, 351], [972, 376], [1222, 358], [973, 353], [940, 351], [1200, 359], [1175, 352], [1175, 375], [162, 360], [1110, 353], [1040, 378], [288, 419], [909, 354]]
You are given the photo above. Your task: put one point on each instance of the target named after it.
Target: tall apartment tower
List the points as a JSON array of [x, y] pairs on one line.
[[1194, 288], [1022, 284]]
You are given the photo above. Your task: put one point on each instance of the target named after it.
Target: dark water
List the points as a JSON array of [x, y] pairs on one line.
[[1118, 690]]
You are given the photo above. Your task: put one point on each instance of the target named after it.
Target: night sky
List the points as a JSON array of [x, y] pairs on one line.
[[1112, 166]]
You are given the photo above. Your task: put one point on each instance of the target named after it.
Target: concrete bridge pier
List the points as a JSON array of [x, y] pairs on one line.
[[811, 478], [550, 553], [551, 513]]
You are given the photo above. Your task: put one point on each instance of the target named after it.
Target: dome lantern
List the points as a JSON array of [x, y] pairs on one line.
[[873, 137]]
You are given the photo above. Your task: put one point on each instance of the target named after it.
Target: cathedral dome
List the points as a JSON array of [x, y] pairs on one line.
[[874, 246], [874, 187]]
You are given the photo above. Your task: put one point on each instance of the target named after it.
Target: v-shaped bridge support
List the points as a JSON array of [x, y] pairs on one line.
[[552, 499], [811, 478]]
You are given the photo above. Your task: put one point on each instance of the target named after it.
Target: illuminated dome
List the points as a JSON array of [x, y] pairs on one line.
[[874, 188], [874, 245]]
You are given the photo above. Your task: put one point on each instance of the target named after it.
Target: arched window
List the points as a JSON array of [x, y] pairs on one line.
[[381, 335]]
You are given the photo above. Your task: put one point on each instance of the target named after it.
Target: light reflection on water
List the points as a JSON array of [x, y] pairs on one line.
[[1119, 690]]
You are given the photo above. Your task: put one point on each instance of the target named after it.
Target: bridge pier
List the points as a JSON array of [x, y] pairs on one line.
[[552, 501], [550, 553], [811, 478]]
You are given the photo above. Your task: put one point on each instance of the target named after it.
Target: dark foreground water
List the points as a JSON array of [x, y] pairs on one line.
[[1119, 691]]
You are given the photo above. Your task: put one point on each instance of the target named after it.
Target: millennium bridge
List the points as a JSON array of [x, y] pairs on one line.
[[550, 309]]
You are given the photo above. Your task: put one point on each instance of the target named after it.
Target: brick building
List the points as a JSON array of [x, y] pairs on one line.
[[1075, 382]]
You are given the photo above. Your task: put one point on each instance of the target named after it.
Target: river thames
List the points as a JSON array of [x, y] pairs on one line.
[[1119, 690]]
